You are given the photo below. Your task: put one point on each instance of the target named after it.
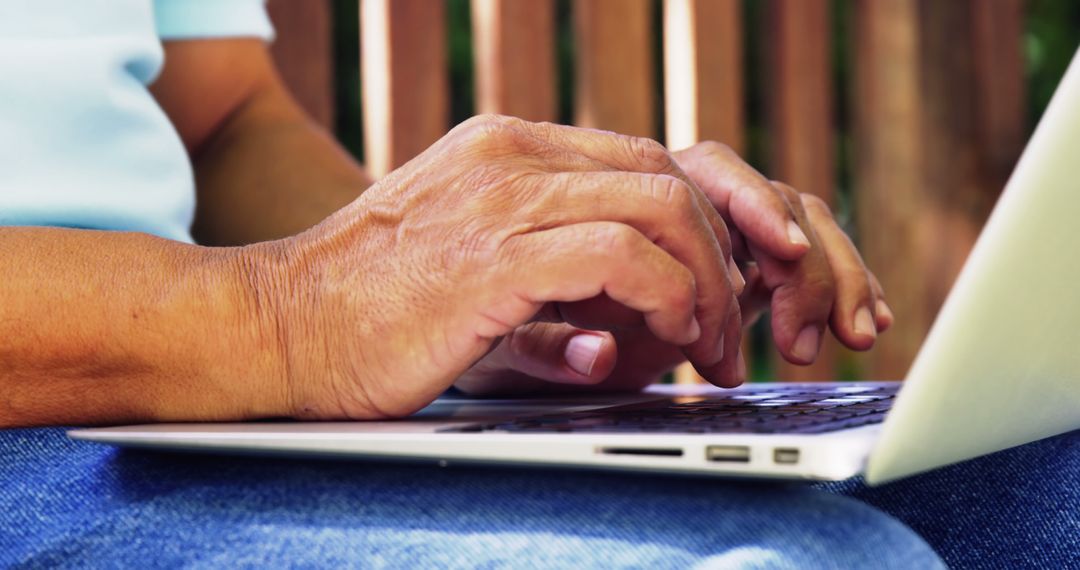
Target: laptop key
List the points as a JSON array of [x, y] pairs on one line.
[[801, 410]]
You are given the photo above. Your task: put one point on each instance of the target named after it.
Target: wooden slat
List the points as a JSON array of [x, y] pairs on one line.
[[973, 122], [956, 206], [1001, 126], [614, 82], [800, 98], [888, 168], [802, 130], [703, 73], [404, 79], [303, 51], [939, 109], [514, 48]]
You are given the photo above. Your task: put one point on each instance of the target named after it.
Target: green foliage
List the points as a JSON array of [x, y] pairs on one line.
[[1051, 38], [346, 33], [460, 56]]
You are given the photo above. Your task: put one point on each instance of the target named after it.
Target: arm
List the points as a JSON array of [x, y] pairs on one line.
[[110, 327], [263, 169], [347, 319], [376, 310], [105, 327]]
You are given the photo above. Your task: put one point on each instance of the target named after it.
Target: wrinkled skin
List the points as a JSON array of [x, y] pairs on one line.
[[480, 261]]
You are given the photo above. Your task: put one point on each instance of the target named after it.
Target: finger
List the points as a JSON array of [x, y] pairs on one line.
[[756, 208], [598, 313], [802, 292], [739, 250], [561, 353], [755, 298], [630, 154], [663, 209], [582, 261], [726, 373], [555, 352], [852, 320], [882, 312]]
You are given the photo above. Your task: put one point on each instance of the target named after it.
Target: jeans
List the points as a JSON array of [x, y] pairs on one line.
[[1019, 508], [72, 504]]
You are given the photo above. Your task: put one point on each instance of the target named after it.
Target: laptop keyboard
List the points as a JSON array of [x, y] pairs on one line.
[[797, 409]]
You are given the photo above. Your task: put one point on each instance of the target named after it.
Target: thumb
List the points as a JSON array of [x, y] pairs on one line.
[[558, 352], [539, 352]]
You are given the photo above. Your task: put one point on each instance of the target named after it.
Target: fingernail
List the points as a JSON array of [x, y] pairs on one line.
[[581, 352], [806, 344], [864, 322], [738, 282], [695, 331], [796, 235], [883, 310], [740, 367]]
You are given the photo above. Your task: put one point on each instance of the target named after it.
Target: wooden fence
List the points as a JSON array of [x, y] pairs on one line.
[[917, 103]]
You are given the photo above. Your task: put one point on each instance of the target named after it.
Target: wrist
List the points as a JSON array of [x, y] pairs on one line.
[[254, 364]]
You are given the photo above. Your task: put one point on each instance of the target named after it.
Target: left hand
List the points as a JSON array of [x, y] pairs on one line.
[[794, 256]]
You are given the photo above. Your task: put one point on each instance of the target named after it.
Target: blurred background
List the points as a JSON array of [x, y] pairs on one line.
[[905, 115]]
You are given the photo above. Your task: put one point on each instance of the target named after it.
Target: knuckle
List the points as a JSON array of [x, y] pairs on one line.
[[671, 192], [820, 291], [786, 190], [470, 125], [614, 239], [716, 147], [650, 154], [481, 119], [545, 126], [527, 340], [489, 134], [857, 278], [684, 294], [815, 204]]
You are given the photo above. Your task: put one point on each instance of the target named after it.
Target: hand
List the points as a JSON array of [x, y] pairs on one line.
[[501, 223], [827, 285], [795, 258]]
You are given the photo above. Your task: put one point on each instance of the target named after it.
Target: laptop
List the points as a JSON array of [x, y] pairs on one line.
[[1000, 367]]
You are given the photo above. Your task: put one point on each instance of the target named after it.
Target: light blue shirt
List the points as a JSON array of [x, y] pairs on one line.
[[82, 142]]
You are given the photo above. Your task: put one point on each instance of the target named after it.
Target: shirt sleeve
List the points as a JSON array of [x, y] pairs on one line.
[[194, 19]]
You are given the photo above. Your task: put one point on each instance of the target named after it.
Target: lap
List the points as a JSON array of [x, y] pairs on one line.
[[65, 503], [1018, 508]]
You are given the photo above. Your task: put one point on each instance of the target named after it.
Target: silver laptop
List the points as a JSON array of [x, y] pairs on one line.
[[1001, 367]]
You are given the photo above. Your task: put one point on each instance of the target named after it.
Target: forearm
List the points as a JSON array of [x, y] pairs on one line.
[[109, 327], [270, 172]]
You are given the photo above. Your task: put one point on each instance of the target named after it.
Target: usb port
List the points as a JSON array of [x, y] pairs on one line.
[[786, 455], [728, 453]]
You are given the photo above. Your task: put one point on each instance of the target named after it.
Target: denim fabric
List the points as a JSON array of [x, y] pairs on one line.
[[69, 504], [1019, 508]]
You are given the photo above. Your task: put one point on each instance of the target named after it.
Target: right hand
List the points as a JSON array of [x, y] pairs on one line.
[[378, 309]]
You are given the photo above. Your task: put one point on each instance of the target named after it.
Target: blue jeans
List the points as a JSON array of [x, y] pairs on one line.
[[69, 504], [1018, 508]]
